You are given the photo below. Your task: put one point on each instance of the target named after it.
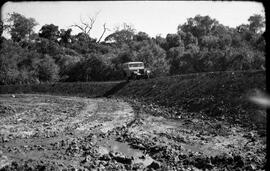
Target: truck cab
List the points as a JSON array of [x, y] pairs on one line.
[[135, 70]]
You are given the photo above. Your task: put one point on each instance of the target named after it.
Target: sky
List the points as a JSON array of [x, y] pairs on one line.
[[152, 17]]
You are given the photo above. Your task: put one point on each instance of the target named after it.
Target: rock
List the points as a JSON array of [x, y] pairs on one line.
[[94, 140], [142, 157], [101, 167], [123, 159], [156, 148], [105, 157], [239, 161], [195, 120], [138, 146], [249, 135], [195, 169], [4, 161], [41, 167], [238, 121], [222, 117], [86, 159], [176, 159], [120, 158], [181, 139], [4, 139], [251, 167], [137, 166], [154, 165], [39, 147], [46, 124]]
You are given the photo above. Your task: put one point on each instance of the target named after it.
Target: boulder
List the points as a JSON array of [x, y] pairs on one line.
[[154, 165]]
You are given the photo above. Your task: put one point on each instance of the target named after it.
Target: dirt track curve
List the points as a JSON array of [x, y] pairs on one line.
[[43, 132]]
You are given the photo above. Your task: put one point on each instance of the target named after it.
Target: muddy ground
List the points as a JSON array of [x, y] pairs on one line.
[[43, 132]]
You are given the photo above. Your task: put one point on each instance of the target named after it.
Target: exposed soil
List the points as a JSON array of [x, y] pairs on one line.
[[43, 132], [218, 95]]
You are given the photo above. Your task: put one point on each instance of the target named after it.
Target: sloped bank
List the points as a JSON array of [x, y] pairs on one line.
[[222, 95], [84, 89]]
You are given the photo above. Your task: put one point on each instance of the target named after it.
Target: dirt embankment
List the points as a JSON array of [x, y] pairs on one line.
[[223, 96], [85, 89], [42, 132], [220, 95]]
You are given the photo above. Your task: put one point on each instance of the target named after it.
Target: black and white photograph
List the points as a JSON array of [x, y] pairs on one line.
[[133, 85]]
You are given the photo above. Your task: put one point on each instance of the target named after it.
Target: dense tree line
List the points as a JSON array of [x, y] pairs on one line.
[[201, 44]]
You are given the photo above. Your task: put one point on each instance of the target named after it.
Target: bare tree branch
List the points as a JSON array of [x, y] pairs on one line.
[[75, 25], [104, 30], [86, 27]]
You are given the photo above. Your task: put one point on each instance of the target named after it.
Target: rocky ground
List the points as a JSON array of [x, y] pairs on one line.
[[43, 132]]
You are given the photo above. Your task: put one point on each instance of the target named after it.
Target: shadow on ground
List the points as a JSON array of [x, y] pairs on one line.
[[115, 89]]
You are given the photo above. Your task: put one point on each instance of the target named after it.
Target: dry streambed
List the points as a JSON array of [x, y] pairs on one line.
[[56, 132]]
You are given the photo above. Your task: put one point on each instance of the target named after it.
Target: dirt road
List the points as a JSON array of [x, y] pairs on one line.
[[43, 132]]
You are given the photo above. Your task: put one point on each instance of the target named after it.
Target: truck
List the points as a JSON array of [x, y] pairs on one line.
[[135, 70]]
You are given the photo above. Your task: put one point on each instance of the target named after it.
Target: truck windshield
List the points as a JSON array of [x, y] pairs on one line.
[[136, 65]]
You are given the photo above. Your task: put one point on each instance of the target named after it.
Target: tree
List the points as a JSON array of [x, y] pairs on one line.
[[9, 57], [49, 32], [120, 37], [47, 70], [82, 37], [175, 52], [65, 36], [124, 56], [104, 30], [1, 28], [17, 64], [224, 41], [65, 63], [199, 26], [123, 36], [95, 69], [236, 40], [173, 40], [19, 26], [259, 43], [210, 42], [155, 59], [86, 26], [162, 42], [141, 36], [173, 58], [46, 46], [256, 23], [188, 38]]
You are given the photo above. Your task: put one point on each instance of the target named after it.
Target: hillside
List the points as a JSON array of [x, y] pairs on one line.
[[222, 95]]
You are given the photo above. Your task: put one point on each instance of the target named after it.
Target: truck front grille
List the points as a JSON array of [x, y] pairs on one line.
[[141, 71]]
